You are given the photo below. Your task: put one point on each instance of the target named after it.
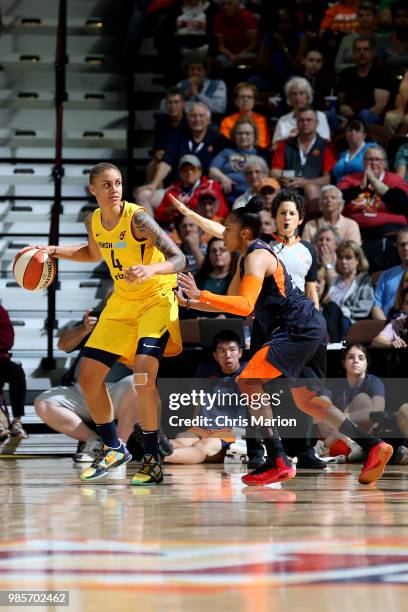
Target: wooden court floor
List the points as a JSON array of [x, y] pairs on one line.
[[202, 541]]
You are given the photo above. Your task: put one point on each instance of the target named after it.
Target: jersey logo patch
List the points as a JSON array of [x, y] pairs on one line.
[[122, 235]]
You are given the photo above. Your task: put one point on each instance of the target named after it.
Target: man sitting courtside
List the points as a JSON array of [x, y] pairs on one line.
[[209, 445], [64, 408]]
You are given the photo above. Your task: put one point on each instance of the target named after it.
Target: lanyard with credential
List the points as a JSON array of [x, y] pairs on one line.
[[192, 149], [302, 154]]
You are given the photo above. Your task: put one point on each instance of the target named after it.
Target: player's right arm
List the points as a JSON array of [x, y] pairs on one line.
[[257, 266], [207, 225], [77, 252]]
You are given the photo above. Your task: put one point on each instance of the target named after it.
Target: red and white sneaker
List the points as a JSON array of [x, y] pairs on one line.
[[378, 457], [269, 473]]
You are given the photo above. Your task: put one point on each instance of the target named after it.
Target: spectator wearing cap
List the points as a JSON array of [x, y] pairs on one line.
[[227, 166], [200, 139], [255, 169], [197, 87], [268, 189], [208, 206], [244, 99], [187, 189]]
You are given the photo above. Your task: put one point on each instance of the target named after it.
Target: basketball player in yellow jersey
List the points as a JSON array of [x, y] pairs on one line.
[[140, 321]]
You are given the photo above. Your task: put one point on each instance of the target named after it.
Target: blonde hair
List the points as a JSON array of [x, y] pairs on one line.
[[323, 273], [350, 245]]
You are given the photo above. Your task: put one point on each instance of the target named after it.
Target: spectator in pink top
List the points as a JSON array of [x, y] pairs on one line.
[[331, 204]]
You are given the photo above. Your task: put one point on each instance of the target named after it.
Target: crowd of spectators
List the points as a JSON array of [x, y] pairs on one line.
[[306, 95], [302, 95]]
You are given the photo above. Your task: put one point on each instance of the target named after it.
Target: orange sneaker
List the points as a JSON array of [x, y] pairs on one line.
[[269, 473], [378, 457]]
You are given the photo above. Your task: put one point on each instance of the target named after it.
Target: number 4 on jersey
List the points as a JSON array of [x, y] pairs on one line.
[[115, 262]]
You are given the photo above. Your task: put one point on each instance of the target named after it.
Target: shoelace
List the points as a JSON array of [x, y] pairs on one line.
[[146, 468], [99, 456], [263, 468]]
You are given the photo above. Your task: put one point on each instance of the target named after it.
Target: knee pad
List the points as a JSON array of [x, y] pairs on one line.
[[309, 402], [140, 379]]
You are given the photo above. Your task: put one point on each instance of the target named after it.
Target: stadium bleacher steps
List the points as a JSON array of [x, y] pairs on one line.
[[95, 129]]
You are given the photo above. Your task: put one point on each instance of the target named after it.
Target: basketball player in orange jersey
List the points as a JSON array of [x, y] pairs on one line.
[[139, 323], [260, 285]]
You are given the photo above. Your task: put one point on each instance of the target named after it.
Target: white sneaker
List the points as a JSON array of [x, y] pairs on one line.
[[86, 453], [356, 455], [236, 452]]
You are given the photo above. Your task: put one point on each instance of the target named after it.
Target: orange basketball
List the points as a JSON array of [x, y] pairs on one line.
[[34, 269], [339, 448]]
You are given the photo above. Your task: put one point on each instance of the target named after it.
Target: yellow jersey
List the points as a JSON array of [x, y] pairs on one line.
[[121, 250]]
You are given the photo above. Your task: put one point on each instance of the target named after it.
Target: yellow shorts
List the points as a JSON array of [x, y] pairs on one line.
[[123, 322]]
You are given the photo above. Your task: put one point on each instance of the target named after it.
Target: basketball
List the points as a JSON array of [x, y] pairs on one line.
[[339, 448], [34, 269]]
